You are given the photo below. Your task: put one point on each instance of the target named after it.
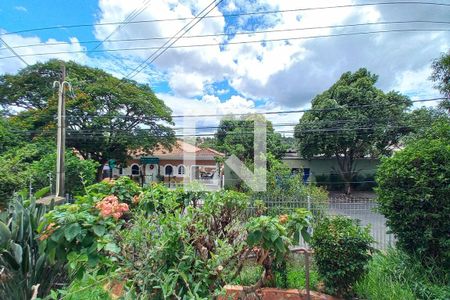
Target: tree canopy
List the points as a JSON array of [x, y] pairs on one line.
[[105, 116], [352, 119], [441, 77], [235, 136]]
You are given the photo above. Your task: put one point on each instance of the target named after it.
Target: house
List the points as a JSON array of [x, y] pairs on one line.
[[183, 163], [318, 169], [319, 166]]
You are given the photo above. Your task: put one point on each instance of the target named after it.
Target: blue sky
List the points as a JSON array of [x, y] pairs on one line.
[[232, 77]]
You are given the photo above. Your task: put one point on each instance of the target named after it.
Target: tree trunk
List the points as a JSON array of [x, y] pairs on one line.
[[348, 188], [100, 169], [345, 164]]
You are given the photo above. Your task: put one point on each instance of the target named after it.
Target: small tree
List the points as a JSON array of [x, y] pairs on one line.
[[342, 250], [350, 120], [413, 193]]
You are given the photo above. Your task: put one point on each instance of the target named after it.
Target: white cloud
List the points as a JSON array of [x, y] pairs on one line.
[[12, 64], [21, 8], [286, 73]]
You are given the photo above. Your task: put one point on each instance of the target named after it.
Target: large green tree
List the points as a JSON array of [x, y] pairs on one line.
[[352, 119], [106, 116]]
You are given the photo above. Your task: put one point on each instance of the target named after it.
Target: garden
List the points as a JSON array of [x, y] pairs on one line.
[[119, 240]]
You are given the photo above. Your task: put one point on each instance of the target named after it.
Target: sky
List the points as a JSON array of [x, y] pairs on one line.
[[240, 70]]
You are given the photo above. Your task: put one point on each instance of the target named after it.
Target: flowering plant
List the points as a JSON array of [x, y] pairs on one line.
[[110, 206]]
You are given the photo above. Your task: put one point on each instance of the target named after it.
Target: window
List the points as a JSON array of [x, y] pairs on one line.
[[168, 170], [135, 170], [181, 170], [120, 170]]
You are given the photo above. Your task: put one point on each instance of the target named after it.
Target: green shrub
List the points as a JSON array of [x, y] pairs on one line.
[[395, 275], [413, 195], [342, 250], [81, 235], [172, 251], [22, 265]]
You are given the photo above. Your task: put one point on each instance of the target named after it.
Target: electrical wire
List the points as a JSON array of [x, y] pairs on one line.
[[185, 29], [232, 15], [280, 112], [242, 32], [13, 52], [235, 42]]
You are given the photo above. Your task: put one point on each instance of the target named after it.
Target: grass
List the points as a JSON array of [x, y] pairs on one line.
[[395, 275]]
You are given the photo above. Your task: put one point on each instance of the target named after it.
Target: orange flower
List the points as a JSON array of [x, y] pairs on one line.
[[283, 219], [136, 199], [110, 206]]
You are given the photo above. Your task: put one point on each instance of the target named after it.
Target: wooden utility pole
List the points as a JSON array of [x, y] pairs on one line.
[[61, 135]]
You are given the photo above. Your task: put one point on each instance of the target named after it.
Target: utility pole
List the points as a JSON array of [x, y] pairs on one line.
[[61, 135]]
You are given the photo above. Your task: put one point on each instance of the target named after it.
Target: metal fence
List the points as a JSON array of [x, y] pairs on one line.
[[359, 208]]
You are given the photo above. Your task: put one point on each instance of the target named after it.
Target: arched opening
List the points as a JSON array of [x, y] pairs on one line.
[[168, 170], [181, 170], [135, 170]]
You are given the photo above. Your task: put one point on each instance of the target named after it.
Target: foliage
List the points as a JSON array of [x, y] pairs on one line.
[[335, 182], [79, 172], [22, 265], [295, 274], [124, 188], [236, 136], [94, 286], [336, 127], [395, 275], [271, 237], [170, 250], [95, 128], [286, 191], [14, 164], [413, 192], [341, 252], [420, 119], [81, 234], [441, 73]]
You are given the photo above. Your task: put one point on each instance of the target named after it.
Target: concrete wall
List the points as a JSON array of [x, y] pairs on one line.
[[319, 166]]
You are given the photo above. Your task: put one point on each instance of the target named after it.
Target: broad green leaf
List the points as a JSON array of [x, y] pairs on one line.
[[5, 234], [112, 247], [99, 230], [17, 252], [72, 231]]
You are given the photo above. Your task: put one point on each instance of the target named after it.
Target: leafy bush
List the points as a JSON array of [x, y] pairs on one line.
[[21, 264], [91, 286], [81, 234], [79, 172], [342, 250], [413, 195], [188, 252], [271, 237], [395, 275], [125, 189]]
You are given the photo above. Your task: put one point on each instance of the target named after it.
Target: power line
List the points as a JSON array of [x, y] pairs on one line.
[[300, 110], [185, 29], [240, 42], [126, 21], [429, 3], [280, 112], [98, 132], [241, 32], [13, 52]]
